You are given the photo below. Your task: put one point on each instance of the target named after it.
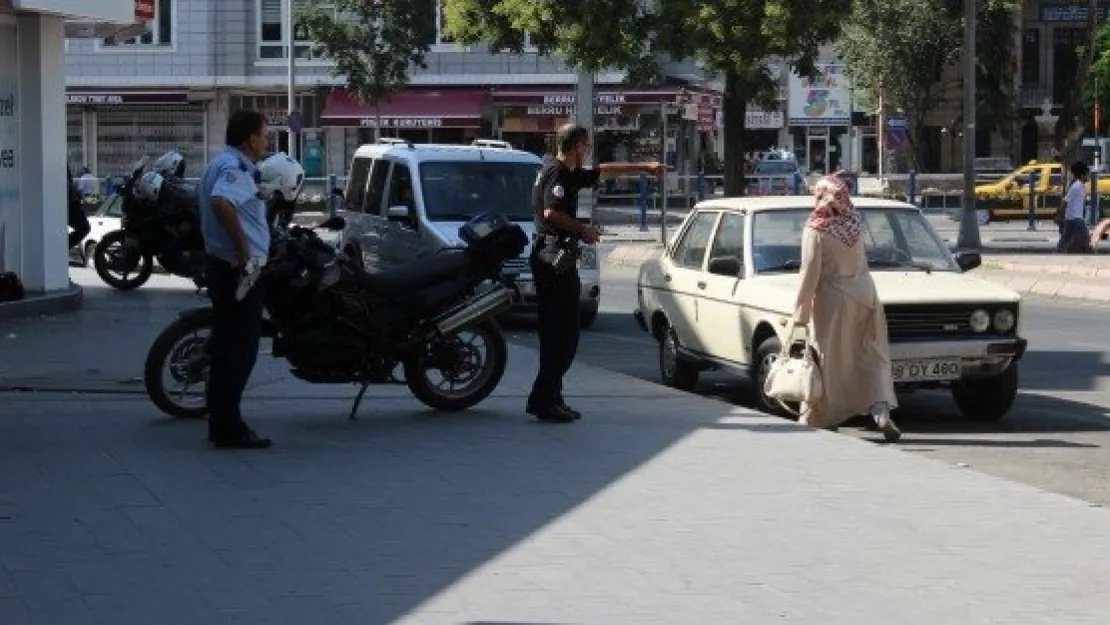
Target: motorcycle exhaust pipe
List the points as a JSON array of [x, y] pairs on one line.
[[492, 302]]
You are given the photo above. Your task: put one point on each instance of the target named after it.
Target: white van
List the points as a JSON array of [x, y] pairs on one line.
[[405, 200]]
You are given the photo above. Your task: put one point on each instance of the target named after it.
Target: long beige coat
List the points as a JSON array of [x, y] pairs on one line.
[[838, 301]]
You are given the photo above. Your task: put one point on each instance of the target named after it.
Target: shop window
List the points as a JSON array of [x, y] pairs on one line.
[[75, 138], [271, 25], [123, 136], [159, 31], [1031, 57]]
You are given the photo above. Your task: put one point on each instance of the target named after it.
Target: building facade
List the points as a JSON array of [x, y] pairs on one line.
[[173, 86]]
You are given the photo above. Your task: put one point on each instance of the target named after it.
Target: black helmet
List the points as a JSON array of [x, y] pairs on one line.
[[568, 136]]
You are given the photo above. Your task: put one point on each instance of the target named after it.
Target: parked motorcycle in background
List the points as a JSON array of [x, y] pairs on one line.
[[160, 222]]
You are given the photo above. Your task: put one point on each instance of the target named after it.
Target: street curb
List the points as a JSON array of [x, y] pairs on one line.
[[1047, 284]]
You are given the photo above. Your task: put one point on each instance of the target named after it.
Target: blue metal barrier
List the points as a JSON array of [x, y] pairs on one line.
[[642, 202], [1033, 200]]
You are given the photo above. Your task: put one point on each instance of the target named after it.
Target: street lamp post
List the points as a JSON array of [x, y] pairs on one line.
[[291, 87], [968, 238]]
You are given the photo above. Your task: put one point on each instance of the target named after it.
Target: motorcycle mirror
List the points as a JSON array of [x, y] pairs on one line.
[[334, 224]]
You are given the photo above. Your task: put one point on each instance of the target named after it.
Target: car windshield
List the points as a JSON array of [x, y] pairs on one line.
[[894, 240], [775, 167], [457, 191]]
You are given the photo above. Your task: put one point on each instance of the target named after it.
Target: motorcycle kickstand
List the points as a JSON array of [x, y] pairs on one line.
[[358, 400]]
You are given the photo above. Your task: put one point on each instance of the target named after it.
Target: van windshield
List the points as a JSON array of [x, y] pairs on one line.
[[459, 190]]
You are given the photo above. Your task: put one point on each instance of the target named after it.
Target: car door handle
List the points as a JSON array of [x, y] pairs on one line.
[[701, 285], [666, 277]]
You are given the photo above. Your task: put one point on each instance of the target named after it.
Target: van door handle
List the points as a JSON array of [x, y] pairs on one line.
[[701, 285]]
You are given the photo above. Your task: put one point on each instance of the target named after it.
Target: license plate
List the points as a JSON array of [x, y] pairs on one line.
[[925, 370], [526, 289]]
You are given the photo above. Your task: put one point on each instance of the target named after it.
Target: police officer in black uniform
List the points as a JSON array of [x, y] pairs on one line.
[[554, 263]]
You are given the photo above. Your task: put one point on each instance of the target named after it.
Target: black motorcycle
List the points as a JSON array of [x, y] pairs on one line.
[[167, 230], [431, 321]]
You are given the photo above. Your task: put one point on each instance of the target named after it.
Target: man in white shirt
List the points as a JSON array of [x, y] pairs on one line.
[[1074, 236]]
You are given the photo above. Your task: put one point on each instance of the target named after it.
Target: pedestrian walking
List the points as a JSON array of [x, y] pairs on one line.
[[1075, 238], [236, 237], [554, 262], [839, 307]]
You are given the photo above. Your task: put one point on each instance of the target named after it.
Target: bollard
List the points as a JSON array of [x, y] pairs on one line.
[[1096, 212], [1033, 200], [333, 199], [642, 201], [797, 184], [911, 189]]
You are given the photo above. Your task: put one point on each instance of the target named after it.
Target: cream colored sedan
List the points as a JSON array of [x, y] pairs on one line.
[[722, 293]]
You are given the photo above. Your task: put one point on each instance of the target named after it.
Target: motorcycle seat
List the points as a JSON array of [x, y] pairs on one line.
[[418, 274]]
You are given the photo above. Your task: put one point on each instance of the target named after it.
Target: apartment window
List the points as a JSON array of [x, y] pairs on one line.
[[159, 31], [1031, 57], [271, 45]]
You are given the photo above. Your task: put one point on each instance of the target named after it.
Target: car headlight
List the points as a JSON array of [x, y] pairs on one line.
[[980, 321], [1004, 320], [588, 259]]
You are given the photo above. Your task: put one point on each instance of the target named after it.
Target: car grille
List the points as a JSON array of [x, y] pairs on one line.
[[911, 322]]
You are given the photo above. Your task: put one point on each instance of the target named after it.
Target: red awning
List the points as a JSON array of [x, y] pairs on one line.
[[412, 108]]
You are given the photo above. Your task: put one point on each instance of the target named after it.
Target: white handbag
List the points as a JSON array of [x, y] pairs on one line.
[[793, 379]]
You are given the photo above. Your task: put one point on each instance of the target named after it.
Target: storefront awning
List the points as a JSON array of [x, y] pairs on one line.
[[412, 108], [101, 97], [563, 97]]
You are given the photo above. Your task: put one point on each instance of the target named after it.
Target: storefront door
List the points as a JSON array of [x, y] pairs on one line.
[[818, 151]]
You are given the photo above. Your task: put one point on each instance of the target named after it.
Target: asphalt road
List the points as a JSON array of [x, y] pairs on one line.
[[1055, 438]]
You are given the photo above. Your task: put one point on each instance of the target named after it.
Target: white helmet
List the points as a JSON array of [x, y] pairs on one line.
[[149, 186], [169, 164], [280, 174]]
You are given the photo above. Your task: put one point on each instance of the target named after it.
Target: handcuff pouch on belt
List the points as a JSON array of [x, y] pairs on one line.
[[561, 252]]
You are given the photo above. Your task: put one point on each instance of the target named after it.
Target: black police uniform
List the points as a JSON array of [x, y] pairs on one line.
[[557, 292]]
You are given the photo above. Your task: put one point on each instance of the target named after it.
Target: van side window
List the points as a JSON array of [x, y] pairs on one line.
[[400, 189], [375, 191], [355, 193]]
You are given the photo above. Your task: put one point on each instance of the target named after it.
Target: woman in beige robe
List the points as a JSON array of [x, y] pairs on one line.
[[838, 304]]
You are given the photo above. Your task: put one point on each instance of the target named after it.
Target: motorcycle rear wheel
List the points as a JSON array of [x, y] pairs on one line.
[[478, 368], [179, 353], [118, 253]]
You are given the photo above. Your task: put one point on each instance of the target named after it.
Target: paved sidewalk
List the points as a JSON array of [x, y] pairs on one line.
[[659, 507]]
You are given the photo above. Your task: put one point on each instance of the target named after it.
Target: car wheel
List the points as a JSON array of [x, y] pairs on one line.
[[90, 253], [987, 399], [765, 356], [675, 372]]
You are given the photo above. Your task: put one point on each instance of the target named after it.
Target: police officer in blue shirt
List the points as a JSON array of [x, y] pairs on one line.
[[233, 222]]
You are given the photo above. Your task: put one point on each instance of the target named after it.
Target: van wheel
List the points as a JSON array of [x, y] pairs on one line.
[[987, 399], [675, 372]]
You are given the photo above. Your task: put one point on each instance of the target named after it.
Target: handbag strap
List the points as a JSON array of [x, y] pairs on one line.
[[791, 328]]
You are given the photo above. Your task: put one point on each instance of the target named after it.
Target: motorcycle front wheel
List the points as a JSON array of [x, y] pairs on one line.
[[120, 263], [177, 365], [460, 370]]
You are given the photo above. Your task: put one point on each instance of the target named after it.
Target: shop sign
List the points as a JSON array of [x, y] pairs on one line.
[[763, 120], [116, 99], [9, 149], [821, 100], [144, 10], [571, 111], [706, 118], [403, 122]]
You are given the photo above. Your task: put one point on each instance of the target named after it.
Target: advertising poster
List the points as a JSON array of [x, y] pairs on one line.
[[9, 148], [822, 100]]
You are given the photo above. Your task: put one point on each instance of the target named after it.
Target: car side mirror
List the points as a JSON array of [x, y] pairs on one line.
[[335, 224], [969, 260], [728, 266]]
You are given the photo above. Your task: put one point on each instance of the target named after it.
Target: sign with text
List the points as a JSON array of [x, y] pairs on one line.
[[820, 100], [571, 111], [144, 10], [122, 98], [10, 206], [1069, 12], [763, 120]]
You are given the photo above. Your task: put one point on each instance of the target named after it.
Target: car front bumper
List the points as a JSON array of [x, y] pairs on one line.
[[978, 359]]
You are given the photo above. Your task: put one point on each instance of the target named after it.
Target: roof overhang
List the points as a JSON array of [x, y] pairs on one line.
[[94, 19]]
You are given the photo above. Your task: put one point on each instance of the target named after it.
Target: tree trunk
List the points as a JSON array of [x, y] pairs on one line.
[[735, 110]]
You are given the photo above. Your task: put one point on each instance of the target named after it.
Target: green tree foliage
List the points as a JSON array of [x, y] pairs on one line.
[[373, 43], [902, 47], [734, 38]]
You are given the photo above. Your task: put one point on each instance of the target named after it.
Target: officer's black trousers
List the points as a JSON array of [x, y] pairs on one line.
[[557, 297], [233, 347]]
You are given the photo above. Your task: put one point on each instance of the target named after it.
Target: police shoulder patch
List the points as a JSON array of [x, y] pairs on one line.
[[230, 176], [558, 191]]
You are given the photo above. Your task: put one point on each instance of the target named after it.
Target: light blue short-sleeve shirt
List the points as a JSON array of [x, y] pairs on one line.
[[231, 176]]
